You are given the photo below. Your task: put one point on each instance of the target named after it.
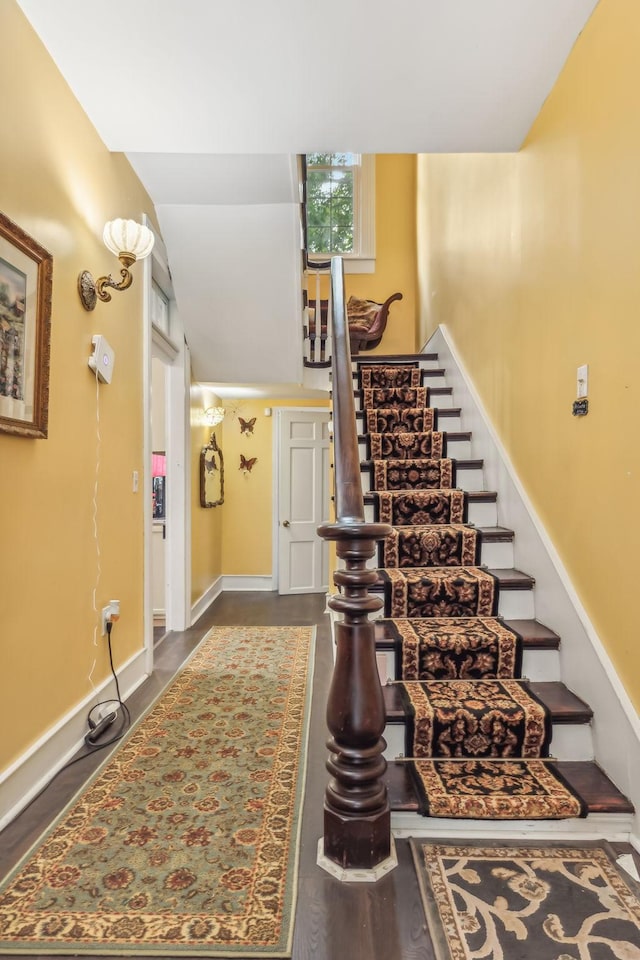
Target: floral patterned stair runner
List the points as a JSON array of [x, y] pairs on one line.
[[430, 545], [478, 735], [480, 719], [384, 375], [455, 648], [400, 420], [406, 446]]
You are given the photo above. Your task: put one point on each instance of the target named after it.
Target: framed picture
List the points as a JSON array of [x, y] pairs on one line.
[[25, 332]]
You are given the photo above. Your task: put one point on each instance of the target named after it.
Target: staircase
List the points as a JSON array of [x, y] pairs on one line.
[[609, 812]]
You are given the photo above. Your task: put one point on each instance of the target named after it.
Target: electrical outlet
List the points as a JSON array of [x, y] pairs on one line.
[[106, 614]]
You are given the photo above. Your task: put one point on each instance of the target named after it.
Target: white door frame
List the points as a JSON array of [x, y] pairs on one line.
[[175, 354], [277, 469]]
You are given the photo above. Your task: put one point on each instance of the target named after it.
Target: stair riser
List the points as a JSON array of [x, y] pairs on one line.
[[424, 364], [536, 665], [512, 605], [465, 479], [480, 514], [460, 449], [497, 556], [597, 826], [569, 741]]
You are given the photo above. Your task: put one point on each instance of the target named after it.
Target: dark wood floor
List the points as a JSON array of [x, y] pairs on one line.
[[381, 921]]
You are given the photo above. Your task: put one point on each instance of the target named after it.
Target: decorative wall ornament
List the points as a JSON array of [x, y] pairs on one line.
[[246, 426], [25, 332], [211, 474], [247, 465]]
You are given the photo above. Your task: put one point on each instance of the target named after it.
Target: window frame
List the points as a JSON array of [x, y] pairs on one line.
[[363, 257]]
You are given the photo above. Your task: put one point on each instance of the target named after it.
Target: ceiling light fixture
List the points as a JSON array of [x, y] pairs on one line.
[[213, 416], [129, 241]]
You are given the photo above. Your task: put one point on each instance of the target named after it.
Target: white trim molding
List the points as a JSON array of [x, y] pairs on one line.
[[585, 665], [206, 599], [32, 771], [238, 582]]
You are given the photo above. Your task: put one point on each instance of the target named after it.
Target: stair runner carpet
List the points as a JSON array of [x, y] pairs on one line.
[[476, 736]]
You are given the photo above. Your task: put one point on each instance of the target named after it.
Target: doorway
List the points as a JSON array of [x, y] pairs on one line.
[[301, 558]]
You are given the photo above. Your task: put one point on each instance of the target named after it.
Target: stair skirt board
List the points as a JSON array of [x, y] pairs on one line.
[[431, 570], [595, 826], [586, 666]]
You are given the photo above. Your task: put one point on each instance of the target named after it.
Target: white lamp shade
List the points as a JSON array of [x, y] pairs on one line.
[[127, 236], [213, 416]]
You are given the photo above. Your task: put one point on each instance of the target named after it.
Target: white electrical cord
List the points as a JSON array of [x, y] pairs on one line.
[[96, 538]]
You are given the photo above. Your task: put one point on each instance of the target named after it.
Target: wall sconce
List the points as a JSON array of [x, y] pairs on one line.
[[129, 241], [213, 416]]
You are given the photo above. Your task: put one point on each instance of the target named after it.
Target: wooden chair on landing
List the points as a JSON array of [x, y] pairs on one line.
[[367, 321]]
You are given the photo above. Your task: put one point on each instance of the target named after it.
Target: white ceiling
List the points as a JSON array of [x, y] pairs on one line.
[[197, 92]]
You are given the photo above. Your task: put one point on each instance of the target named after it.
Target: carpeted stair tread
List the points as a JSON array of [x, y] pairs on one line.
[[563, 705], [427, 445], [433, 544], [392, 358], [598, 792], [495, 534], [535, 635], [468, 591], [472, 496], [508, 579]]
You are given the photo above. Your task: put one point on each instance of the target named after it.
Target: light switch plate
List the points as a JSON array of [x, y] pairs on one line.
[[583, 381]]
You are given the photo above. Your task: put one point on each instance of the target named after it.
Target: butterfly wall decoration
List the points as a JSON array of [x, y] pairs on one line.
[[247, 464], [246, 426]]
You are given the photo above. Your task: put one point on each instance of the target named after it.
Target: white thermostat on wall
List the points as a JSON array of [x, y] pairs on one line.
[[102, 359]]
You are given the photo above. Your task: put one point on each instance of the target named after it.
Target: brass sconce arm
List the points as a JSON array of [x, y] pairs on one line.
[[117, 231]]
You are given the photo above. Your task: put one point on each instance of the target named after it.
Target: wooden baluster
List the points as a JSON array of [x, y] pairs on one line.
[[357, 829]]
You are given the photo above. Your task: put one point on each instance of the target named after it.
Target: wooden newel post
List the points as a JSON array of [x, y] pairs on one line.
[[357, 821], [357, 825]]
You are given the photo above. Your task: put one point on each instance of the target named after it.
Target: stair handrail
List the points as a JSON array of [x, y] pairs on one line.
[[357, 820]]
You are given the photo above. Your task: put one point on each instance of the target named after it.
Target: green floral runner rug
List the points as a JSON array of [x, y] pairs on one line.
[[528, 901], [185, 842]]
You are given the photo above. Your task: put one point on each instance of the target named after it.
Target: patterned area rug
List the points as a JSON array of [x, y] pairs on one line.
[[185, 841], [450, 648], [525, 901]]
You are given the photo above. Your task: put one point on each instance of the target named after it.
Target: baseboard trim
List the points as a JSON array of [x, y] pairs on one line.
[[236, 582], [616, 727], [27, 776], [204, 602], [597, 826]]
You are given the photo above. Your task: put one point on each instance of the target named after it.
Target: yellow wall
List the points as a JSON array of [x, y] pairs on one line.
[[248, 498], [395, 253], [532, 262], [60, 184], [206, 522]]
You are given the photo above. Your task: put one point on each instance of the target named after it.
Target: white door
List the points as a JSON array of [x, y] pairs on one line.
[[303, 501]]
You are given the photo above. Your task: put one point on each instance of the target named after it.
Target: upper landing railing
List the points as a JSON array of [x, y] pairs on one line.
[[357, 828]]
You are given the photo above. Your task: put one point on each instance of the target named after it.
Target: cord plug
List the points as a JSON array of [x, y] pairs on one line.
[[99, 728]]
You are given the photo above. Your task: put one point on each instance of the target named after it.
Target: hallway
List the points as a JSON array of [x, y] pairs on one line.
[[382, 921]]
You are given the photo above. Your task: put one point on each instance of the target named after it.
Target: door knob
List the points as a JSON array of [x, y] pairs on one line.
[[285, 523]]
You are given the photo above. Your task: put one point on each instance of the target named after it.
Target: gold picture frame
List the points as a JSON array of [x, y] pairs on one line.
[[26, 271], [211, 474]]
